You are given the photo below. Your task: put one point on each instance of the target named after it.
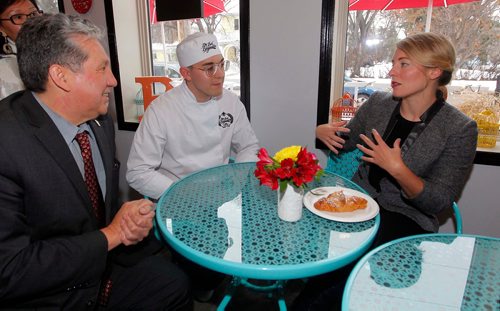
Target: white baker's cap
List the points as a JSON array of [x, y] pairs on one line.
[[197, 47]]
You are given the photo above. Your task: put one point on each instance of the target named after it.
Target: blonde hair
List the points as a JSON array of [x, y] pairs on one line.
[[431, 50]]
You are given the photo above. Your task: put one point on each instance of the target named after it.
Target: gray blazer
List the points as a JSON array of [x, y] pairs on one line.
[[442, 155]]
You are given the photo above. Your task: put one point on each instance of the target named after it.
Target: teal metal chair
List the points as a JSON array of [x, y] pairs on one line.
[[346, 164], [458, 218]]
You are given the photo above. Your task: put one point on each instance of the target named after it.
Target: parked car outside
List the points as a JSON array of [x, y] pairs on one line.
[[232, 79], [364, 91], [170, 70]]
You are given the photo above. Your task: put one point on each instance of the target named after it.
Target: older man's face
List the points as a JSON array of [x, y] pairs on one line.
[[93, 83]]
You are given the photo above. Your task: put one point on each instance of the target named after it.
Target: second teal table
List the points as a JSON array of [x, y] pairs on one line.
[[427, 272]]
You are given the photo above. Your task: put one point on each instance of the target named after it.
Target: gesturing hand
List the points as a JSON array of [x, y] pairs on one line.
[[381, 154], [328, 134], [390, 160]]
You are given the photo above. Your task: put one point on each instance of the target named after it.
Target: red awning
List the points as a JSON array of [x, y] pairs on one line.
[[382, 5], [210, 7], [400, 4]]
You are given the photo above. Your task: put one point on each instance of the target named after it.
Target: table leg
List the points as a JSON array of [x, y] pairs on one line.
[[235, 282], [282, 304], [276, 288]]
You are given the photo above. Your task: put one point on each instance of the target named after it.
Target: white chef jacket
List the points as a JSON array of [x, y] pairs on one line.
[[178, 136], [10, 81]]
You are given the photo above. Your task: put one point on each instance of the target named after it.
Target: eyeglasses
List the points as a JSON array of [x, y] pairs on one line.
[[19, 19], [211, 70]]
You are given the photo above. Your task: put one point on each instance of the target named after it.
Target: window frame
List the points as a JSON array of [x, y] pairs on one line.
[[145, 49], [331, 68]]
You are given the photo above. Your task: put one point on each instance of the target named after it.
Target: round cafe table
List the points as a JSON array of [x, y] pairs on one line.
[[427, 272], [222, 219]]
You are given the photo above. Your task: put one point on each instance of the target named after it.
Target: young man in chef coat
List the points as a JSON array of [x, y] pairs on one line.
[[194, 126]]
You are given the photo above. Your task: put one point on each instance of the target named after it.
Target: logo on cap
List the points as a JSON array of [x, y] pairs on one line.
[[207, 46]]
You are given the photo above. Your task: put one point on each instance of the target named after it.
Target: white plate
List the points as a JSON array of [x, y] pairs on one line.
[[356, 216]]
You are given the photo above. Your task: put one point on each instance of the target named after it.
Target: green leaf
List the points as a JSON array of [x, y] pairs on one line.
[[283, 184]]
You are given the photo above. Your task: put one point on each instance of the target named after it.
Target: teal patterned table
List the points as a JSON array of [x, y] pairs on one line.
[[428, 272], [221, 218]]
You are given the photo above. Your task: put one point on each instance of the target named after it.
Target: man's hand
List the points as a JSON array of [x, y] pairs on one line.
[[328, 134], [131, 224]]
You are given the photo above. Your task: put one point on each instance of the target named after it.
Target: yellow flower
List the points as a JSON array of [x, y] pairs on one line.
[[288, 152]]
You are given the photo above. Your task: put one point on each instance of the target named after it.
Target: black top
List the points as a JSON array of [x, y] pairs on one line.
[[400, 128]]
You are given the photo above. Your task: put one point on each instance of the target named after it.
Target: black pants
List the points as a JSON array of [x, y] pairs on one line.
[[154, 283], [201, 278], [325, 292]]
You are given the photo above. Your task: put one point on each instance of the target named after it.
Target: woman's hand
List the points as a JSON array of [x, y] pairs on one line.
[[380, 153], [390, 159], [328, 134]]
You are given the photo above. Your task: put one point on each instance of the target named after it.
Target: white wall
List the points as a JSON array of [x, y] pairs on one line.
[[480, 202], [284, 60]]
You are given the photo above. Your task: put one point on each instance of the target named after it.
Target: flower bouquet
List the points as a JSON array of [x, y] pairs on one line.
[[292, 165], [290, 169]]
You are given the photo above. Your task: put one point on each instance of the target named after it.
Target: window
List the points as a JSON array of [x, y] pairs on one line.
[[51, 6], [220, 20], [155, 54], [364, 59]]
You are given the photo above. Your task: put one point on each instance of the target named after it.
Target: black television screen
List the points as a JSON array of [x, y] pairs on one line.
[[168, 10]]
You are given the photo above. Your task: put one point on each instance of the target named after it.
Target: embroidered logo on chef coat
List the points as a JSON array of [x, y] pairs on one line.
[[225, 120]]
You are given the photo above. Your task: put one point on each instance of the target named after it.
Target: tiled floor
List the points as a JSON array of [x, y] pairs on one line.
[[246, 299]]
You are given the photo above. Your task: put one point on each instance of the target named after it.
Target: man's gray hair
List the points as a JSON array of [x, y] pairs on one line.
[[48, 39]]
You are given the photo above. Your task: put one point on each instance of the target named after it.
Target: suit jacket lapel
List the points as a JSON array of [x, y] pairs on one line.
[[49, 136]]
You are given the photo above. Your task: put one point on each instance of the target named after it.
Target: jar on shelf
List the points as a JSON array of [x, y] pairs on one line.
[[487, 126]]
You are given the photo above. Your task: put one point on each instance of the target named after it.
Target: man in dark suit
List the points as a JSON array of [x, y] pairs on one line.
[[64, 241]]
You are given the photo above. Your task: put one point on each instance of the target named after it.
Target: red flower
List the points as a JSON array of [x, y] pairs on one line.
[[287, 169], [265, 177], [298, 173], [264, 158]]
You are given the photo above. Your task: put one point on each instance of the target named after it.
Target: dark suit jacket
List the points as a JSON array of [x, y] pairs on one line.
[[51, 251]]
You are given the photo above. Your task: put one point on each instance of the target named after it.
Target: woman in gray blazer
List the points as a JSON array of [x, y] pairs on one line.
[[418, 151]]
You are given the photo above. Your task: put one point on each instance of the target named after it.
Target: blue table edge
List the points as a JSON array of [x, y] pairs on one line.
[[262, 272], [352, 276]]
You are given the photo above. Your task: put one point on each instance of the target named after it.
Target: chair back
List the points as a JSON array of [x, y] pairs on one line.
[[346, 164], [458, 218]]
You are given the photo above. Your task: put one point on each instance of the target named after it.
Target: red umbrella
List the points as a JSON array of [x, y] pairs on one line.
[[210, 7], [403, 4]]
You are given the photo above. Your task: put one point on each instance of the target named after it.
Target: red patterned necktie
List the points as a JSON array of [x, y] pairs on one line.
[[91, 177]]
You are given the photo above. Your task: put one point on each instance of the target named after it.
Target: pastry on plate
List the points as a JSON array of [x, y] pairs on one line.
[[339, 202]]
